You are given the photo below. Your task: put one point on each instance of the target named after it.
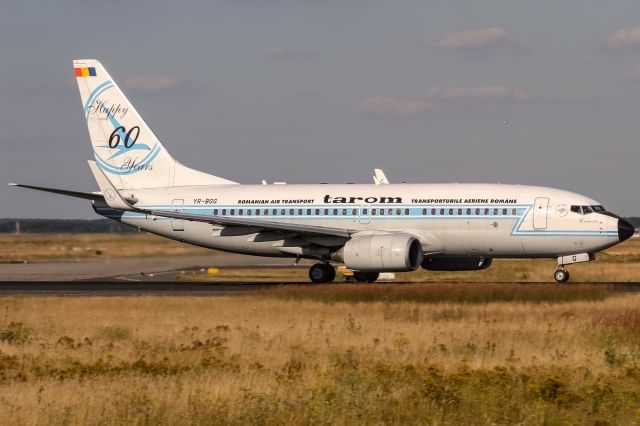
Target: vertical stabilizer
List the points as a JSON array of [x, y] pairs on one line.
[[125, 148]]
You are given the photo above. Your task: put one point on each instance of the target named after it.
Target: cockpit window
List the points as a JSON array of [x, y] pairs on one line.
[[587, 209]]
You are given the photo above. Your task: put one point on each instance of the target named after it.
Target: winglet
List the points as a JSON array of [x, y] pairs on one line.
[[111, 195], [379, 177]]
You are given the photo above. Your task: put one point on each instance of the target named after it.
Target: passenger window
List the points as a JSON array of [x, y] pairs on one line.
[[486, 212], [344, 212], [459, 212], [433, 212], [504, 212], [215, 212], [326, 212], [232, 212], [317, 212], [364, 211], [248, 212], [274, 212], [224, 212], [381, 212], [335, 212], [468, 212], [450, 212], [514, 212], [308, 212], [495, 212], [398, 212], [373, 212], [354, 212], [300, 212], [257, 212], [240, 212], [390, 212], [442, 212], [477, 212], [283, 212], [424, 212]]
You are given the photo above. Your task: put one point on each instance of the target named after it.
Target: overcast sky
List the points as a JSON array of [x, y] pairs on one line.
[[325, 90]]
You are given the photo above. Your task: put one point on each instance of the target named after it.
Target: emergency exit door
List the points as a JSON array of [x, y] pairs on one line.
[[540, 213]]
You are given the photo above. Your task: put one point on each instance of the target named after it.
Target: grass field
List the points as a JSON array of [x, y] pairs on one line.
[[436, 355], [437, 352]]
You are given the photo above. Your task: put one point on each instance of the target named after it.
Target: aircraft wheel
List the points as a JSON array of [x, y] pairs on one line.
[[365, 277], [561, 275], [322, 273]]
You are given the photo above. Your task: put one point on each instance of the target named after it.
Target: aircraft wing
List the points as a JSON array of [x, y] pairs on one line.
[[270, 225], [86, 195]]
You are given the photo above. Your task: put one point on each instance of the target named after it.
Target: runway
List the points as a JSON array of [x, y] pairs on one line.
[[109, 268], [153, 276], [127, 288], [169, 288]]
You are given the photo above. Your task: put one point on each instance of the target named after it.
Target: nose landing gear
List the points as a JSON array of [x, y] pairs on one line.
[[561, 275], [322, 273]]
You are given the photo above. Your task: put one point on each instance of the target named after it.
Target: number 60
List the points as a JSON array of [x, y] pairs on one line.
[[129, 138]]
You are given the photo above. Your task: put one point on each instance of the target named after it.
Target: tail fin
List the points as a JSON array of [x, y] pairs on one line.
[[124, 146]]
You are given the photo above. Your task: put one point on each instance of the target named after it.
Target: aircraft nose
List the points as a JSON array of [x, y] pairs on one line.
[[625, 230]]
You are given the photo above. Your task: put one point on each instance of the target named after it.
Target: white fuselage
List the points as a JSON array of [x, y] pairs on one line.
[[491, 220]]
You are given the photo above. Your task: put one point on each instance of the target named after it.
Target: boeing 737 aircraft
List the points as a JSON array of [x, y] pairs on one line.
[[369, 228]]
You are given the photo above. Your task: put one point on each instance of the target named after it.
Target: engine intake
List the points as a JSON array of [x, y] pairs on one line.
[[456, 263], [381, 253]]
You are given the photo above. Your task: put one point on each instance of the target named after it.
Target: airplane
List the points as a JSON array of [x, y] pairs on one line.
[[367, 227]]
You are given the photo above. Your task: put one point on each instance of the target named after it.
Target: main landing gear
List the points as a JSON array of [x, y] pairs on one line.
[[365, 277], [322, 273]]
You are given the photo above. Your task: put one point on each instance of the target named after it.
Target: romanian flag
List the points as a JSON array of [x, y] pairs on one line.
[[85, 72]]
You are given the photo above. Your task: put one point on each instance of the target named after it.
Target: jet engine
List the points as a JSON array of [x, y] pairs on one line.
[[456, 263], [381, 253]]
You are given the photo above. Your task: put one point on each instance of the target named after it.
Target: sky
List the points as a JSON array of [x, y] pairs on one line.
[[304, 91]]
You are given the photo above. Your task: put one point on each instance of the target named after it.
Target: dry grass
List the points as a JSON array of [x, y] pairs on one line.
[[265, 360], [15, 248]]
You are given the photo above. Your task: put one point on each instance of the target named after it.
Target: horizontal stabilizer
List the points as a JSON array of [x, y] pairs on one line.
[[94, 196]]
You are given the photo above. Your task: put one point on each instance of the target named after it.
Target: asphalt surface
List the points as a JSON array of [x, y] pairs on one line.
[[126, 288], [140, 276], [107, 269]]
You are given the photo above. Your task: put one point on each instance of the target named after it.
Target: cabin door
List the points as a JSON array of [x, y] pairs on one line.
[[177, 206], [540, 213]]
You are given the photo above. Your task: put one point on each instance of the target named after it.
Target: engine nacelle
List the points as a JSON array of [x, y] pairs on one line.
[[456, 263], [381, 253]]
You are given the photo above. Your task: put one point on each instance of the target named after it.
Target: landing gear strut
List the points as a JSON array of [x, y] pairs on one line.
[[322, 273], [561, 275], [365, 277]]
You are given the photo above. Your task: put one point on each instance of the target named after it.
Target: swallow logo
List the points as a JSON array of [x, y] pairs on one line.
[[125, 152]]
